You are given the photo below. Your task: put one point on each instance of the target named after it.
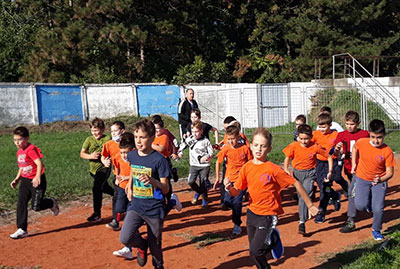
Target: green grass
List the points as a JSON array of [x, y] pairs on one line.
[[369, 254]]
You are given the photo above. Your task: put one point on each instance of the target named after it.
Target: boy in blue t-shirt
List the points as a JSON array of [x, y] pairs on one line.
[[146, 189]]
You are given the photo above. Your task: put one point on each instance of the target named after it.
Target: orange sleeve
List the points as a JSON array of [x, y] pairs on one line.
[[389, 158], [221, 154], [241, 182], [289, 150], [284, 180], [105, 152], [322, 152]]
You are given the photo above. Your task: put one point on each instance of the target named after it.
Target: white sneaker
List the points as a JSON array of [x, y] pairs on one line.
[[55, 209], [178, 204], [19, 234], [236, 230], [124, 252]]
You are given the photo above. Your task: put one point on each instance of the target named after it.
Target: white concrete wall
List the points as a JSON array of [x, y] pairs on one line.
[[107, 101], [18, 105]]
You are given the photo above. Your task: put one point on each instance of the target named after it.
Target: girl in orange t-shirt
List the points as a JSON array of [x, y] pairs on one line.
[[264, 181]]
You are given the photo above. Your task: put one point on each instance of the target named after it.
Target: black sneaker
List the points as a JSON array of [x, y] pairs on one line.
[[348, 227], [320, 218], [94, 217], [113, 225], [336, 203], [174, 173], [302, 228], [142, 256]]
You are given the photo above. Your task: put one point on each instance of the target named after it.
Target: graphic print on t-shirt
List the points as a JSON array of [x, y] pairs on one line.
[[140, 190]]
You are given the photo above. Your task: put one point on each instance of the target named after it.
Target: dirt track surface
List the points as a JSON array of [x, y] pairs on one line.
[[68, 241]]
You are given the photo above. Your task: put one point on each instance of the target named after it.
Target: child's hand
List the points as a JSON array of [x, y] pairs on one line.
[[145, 179], [180, 155], [377, 180], [328, 177], [216, 184], [36, 182], [312, 211], [128, 192], [353, 170], [287, 171], [107, 162], [174, 156], [204, 159], [118, 179], [338, 146], [227, 182], [14, 183], [95, 155]]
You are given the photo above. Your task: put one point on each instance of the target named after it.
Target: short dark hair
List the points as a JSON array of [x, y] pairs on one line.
[[377, 126], [97, 123], [232, 130], [127, 141], [146, 126], [159, 122], [196, 111], [305, 129], [229, 119], [352, 115], [156, 117], [21, 131], [324, 118], [301, 117], [326, 109], [120, 124]]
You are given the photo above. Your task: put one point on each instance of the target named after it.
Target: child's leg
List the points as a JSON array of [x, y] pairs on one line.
[[24, 195], [259, 229], [154, 232], [193, 173], [378, 204], [99, 186], [322, 170], [306, 178], [222, 186], [114, 199], [237, 204], [38, 201], [362, 201], [130, 235], [204, 173], [351, 208], [337, 176], [121, 201]]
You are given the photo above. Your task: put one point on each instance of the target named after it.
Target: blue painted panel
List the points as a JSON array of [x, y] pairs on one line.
[[158, 99], [59, 103]]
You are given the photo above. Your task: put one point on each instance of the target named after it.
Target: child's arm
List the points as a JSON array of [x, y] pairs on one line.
[[106, 161], [354, 158], [217, 178], [85, 155], [231, 189], [163, 184], [128, 188], [303, 193], [39, 167], [216, 135], [330, 168], [389, 174], [14, 183], [286, 165]]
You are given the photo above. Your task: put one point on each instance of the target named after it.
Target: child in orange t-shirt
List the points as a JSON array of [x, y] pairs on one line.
[[163, 145], [236, 155], [325, 138], [375, 167], [264, 181], [123, 170], [303, 154], [109, 157]]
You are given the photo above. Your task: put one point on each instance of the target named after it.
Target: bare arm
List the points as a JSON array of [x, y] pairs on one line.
[[39, 167], [389, 174], [330, 167], [14, 183], [216, 135], [286, 165], [231, 189], [85, 155], [217, 178], [354, 157]]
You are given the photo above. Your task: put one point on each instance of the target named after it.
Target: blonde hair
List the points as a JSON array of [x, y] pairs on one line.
[[265, 133]]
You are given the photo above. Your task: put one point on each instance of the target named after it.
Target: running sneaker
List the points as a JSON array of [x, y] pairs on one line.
[[55, 209], [178, 204], [204, 203], [277, 246], [377, 235], [236, 230], [142, 256], [320, 218], [302, 228], [19, 234], [94, 217], [113, 225], [195, 198], [336, 203], [124, 252], [348, 227]]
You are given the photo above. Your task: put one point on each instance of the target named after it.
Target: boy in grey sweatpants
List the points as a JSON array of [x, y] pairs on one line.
[[375, 167], [200, 155]]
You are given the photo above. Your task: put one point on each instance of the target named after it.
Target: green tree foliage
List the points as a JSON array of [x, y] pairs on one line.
[[178, 41]]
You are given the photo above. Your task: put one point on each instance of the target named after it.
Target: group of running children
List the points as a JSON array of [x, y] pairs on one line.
[[142, 168]]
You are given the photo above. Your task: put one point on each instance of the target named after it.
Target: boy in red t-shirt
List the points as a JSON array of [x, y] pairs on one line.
[[236, 155], [33, 182], [325, 138], [264, 181], [110, 156], [303, 154], [375, 167], [344, 143]]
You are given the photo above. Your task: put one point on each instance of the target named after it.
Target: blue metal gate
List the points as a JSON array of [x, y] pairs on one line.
[[158, 99], [59, 103]]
